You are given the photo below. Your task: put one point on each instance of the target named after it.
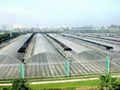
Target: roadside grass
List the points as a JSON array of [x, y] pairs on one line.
[[79, 84], [81, 76], [65, 85], [69, 85], [2, 87], [63, 78]]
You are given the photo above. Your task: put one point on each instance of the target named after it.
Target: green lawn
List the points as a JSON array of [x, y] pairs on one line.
[[59, 78], [1, 87], [67, 84], [79, 84]]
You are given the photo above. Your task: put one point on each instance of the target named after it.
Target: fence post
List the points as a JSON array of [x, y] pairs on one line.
[[67, 63], [21, 71], [107, 64]]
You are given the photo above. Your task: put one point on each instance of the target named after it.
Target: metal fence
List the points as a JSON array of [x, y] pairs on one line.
[[16, 69], [66, 68]]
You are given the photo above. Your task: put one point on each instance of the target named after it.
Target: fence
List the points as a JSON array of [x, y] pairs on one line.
[[66, 68]]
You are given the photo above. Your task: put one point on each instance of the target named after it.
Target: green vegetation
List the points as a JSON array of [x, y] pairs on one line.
[[56, 78], [2, 36], [63, 78], [109, 82], [66, 84], [17, 84], [4, 87], [6, 36], [89, 83], [105, 80]]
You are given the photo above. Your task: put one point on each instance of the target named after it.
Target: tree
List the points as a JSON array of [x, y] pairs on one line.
[[20, 84], [107, 82]]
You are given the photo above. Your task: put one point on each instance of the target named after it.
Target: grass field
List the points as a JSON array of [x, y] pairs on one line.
[[89, 83], [82, 76], [66, 85]]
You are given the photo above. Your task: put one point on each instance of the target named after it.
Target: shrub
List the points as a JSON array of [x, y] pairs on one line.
[[20, 84], [106, 82]]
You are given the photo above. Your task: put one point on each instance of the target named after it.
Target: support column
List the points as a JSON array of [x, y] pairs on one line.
[[107, 64], [21, 71], [67, 63]]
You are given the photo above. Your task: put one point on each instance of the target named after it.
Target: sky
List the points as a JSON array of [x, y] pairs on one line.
[[57, 13]]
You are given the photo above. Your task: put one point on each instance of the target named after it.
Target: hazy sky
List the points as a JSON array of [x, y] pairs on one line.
[[56, 13]]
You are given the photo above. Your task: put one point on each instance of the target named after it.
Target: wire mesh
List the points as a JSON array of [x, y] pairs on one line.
[[9, 67], [53, 65]]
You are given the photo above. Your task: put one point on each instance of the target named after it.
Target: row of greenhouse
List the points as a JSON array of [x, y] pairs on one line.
[[49, 55]]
